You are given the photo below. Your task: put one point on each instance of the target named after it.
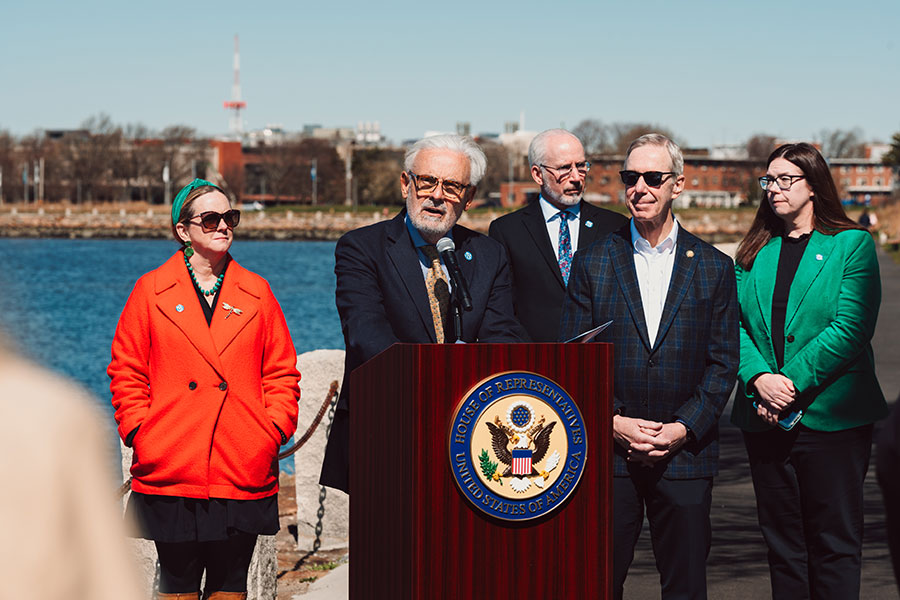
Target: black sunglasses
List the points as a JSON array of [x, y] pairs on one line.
[[651, 178], [209, 219]]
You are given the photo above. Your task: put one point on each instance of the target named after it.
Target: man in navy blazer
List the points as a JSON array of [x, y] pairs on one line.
[[533, 235], [672, 300], [381, 273]]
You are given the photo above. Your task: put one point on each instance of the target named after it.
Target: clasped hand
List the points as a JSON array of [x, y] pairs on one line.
[[776, 392], [648, 442]]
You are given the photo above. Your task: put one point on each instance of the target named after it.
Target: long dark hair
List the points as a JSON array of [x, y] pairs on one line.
[[828, 214]]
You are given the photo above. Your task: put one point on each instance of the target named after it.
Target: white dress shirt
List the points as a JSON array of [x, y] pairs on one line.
[[551, 220], [654, 272]]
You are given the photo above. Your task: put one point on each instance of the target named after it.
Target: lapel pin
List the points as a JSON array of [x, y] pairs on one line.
[[179, 308], [588, 224], [231, 310], [818, 257], [468, 255], [689, 254]]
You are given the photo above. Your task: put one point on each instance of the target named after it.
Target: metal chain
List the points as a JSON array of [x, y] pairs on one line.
[[322, 490]]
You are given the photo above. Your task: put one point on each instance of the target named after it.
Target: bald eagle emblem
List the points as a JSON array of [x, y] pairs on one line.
[[521, 444]]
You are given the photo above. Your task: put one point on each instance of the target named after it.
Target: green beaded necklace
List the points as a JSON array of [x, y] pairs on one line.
[[213, 289]]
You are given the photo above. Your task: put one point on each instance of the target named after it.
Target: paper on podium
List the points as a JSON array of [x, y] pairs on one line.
[[590, 334]]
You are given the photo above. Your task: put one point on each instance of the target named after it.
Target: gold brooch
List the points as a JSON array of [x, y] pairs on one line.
[[231, 310]]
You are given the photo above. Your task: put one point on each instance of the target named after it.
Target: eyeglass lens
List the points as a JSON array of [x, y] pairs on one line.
[[784, 182], [582, 167], [427, 184]]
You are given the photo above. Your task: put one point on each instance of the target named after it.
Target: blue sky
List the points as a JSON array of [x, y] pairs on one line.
[[712, 72]]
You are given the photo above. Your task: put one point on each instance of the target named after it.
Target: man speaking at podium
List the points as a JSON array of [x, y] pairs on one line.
[[419, 278]]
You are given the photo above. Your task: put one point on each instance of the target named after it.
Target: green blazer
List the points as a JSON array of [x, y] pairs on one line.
[[831, 313]]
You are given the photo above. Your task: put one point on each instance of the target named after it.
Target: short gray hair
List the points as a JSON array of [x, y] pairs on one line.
[[457, 143], [537, 150], [658, 139]]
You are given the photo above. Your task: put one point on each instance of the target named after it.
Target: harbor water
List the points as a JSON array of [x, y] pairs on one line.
[[60, 299]]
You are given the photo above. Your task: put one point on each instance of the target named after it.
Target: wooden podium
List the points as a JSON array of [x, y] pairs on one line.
[[414, 533]]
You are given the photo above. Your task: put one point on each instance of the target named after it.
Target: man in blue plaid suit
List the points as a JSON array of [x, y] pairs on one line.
[[674, 308]]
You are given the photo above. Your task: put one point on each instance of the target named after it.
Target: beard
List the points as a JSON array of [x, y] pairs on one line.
[[429, 225], [563, 199]]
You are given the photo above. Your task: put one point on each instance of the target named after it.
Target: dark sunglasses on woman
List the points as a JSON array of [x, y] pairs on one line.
[[209, 220]]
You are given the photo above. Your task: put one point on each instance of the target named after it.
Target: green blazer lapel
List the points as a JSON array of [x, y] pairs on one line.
[[814, 258], [763, 273]]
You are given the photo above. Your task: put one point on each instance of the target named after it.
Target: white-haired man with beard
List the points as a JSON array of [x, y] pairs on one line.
[[541, 239], [393, 286]]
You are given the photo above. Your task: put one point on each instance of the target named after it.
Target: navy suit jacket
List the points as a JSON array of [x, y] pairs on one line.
[[538, 287], [382, 300], [690, 370]]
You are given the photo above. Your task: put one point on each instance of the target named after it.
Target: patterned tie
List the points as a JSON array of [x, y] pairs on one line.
[[565, 246], [438, 292]]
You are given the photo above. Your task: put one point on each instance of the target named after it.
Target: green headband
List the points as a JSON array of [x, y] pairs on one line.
[[183, 194]]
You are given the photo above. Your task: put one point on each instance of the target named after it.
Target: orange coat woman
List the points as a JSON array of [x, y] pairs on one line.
[[205, 389]]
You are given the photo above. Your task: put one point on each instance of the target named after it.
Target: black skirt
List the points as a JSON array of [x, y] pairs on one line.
[[174, 519]]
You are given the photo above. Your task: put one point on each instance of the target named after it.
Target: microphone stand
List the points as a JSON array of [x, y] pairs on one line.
[[456, 309]]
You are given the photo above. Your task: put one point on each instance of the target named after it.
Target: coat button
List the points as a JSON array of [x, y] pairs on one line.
[[790, 338], [223, 386], [651, 363], [192, 385]]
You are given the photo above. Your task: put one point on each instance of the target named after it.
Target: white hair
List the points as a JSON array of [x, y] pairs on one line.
[[457, 143], [658, 139], [537, 150]]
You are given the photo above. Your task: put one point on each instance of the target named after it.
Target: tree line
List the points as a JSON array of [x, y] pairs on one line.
[[102, 162]]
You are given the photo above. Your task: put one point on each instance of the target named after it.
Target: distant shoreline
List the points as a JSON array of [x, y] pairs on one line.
[[139, 221]]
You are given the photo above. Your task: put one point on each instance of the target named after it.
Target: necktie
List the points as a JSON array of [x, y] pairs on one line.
[[565, 246], [438, 292]]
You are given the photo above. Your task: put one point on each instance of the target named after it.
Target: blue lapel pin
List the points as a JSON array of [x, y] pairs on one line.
[[818, 257], [179, 308], [468, 255], [588, 224]]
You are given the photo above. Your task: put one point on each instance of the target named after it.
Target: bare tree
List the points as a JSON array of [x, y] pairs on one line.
[[88, 157], [760, 146], [497, 169], [840, 143], [622, 134], [594, 135], [377, 174]]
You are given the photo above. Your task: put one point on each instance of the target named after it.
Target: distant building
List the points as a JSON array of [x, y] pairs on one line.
[[864, 180]]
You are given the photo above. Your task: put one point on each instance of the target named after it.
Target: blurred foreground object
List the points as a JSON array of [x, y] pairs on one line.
[[62, 530]]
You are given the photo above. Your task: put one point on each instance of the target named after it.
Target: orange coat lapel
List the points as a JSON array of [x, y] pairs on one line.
[[177, 300], [238, 293]]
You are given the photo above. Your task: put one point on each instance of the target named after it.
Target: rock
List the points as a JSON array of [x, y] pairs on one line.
[[261, 582], [318, 369]]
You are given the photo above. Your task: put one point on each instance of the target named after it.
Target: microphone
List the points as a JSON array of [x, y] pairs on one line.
[[447, 249]]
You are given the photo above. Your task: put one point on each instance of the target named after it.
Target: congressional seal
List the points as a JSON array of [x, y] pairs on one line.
[[517, 445]]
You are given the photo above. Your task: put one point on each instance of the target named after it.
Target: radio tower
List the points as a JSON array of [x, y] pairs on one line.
[[236, 104]]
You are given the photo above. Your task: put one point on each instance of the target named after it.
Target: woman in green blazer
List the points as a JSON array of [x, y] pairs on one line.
[[809, 292]]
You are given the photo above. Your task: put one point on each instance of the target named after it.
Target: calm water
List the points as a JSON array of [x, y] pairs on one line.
[[60, 300]]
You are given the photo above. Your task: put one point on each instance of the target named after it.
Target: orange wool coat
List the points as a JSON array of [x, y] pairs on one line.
[[207, 398]]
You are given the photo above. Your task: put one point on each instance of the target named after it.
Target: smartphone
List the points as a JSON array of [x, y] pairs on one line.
[[788, 417]]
